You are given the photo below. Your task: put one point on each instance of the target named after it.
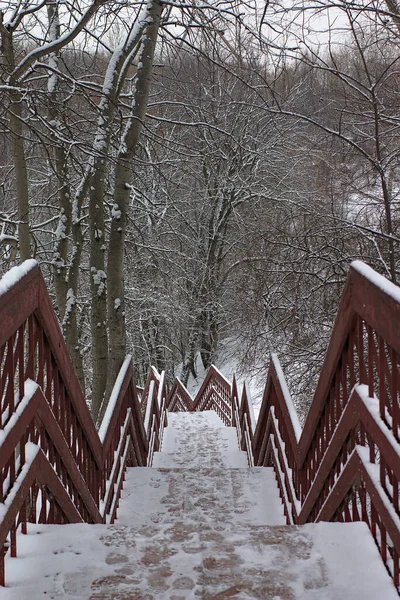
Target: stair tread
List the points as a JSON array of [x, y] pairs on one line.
[[178, 561], [199, 439], [206, 494]]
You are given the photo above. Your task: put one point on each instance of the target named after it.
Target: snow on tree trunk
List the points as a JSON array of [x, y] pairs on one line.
[[123, 178], [16, 130]]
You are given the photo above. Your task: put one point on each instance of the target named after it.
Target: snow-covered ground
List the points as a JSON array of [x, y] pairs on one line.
[[198, 531]]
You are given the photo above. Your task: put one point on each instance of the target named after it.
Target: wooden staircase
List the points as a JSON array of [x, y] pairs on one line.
[[200, 524], [343, 465]]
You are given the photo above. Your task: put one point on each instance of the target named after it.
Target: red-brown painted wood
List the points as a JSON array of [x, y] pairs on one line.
[[327, 475], [71, 465]]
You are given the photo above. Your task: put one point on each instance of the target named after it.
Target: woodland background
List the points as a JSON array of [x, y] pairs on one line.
[[188, 174]]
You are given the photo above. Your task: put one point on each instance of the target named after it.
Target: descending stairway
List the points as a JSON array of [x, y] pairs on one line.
[[199, 524]]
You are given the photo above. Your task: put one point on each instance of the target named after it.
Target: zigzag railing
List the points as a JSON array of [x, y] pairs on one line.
[[54, 466], [179, 399], [214, 394], [344, 465]]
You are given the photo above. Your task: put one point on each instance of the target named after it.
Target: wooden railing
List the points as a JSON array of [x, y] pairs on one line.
[[243, 419], [54, 466], [214, 394], [154, 408], [179, 399], [344, 465]]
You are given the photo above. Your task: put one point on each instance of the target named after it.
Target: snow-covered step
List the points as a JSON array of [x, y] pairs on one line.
[[215, 496], [199, 439], [189, 561]]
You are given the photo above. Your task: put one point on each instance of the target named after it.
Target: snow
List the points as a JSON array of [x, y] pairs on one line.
[[373, 471], [251, 407], [281, 477], [324, 561], [288, 399], [116, 212], [31, 451], [235, 496], [149, 406], [30, 388], [15, 274], [8, 238], [53, 60], [99, 279], [352, 562], [119, 461], [60, 232], [114, 398], [198, 531], [373, 407], [160, 390], [55, 558], [379, 281], [288, 470], [71, 301], [75, 206], [199, 439], [120, 477]]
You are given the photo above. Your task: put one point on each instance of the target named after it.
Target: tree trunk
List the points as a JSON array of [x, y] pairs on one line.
[[16, 130], [123, 179], [65, 276]]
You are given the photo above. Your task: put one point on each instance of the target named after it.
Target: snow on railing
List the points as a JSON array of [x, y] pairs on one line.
[[154, 400], [243, 419], [344, 465], [115, 394], [214, 394], [54, 466], [179, 399], [215, 389]]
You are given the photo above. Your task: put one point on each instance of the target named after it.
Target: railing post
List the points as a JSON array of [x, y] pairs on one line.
[[3, 552]]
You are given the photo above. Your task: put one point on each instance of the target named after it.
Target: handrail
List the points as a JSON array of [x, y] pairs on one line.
[[49, 447], [214, 393], [243, 419], [155, 398], [216, 381], [179, 399], [344, 463]]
